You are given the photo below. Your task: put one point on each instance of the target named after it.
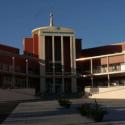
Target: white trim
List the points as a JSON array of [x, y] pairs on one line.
[[94, 57], [96, 74]]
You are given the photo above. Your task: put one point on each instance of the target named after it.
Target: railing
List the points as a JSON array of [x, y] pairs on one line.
[[58, 73], [99, 69], [114, 70]]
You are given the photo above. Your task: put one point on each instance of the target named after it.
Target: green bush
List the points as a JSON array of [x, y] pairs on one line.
[[64, 102], [84, 109], [98, 114], [94, 111]]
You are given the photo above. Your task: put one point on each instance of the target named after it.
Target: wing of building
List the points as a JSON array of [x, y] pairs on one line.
[[102, 66]]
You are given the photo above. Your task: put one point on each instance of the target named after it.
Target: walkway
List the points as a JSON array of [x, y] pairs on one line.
[[50, 113]]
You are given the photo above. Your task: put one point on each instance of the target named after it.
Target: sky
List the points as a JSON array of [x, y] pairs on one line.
[[96, 22]]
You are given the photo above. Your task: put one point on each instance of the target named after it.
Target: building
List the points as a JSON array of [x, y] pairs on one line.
[[55, 47], [54, 63], [102, 66], [48, 63], [17, 71]]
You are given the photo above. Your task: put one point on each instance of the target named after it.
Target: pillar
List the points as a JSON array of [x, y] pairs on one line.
[[13, 72], [73, 63], [62, 63], [53, 61], [42, 64], [108, 71], [91, 70], [27, 79]]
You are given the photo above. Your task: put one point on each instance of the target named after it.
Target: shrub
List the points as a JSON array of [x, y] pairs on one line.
[[64, 102], [98, 114], [94, 111], [84, 109]]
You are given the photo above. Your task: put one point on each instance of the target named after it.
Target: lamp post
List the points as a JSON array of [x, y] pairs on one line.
[[26, 73], [13, 72]]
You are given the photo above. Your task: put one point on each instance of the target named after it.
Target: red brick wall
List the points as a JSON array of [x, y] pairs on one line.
[[28, 46], [20, 64], [78, 47], [6, 60], [35, 45], [110, 49], [116, 59], [9, 49], [104, 61], [123, 47]]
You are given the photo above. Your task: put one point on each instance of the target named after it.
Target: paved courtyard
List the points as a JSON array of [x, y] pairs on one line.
[[50, 113]]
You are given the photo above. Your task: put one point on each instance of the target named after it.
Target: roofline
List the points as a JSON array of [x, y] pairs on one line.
[[57, 27], [9, 46], [95, 57], [118, 43]]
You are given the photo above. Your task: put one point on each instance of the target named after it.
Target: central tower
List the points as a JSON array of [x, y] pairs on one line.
[[57, 54]]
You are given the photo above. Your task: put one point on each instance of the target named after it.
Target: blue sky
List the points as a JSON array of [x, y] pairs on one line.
[[96, 22]]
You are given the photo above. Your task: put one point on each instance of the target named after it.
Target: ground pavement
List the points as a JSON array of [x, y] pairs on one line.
[[50, 113]]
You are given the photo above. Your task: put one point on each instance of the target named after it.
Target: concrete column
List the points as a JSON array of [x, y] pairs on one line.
[[53, 54], [42, 64], [42, 80], [124, 57], [107, 64], [62, 63], [71, 53], [62, 54], [13, 72], [91, 70], [108, 80], [108, 71], [53, 60], [91, 66], [74, 54], [27, 79], [73, 64]]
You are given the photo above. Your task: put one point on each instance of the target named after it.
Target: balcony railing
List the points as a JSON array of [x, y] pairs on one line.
[[104, 69]]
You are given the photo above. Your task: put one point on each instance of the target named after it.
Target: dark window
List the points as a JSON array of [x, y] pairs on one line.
[[67, 85], [58, 67], [66, 49], [57, 48], [48, 53]]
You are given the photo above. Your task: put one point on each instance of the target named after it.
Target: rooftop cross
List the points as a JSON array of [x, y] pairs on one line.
[[51, 20]]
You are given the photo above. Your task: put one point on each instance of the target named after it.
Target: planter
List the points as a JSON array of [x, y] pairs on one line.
[[93, 111], [64, 102]]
